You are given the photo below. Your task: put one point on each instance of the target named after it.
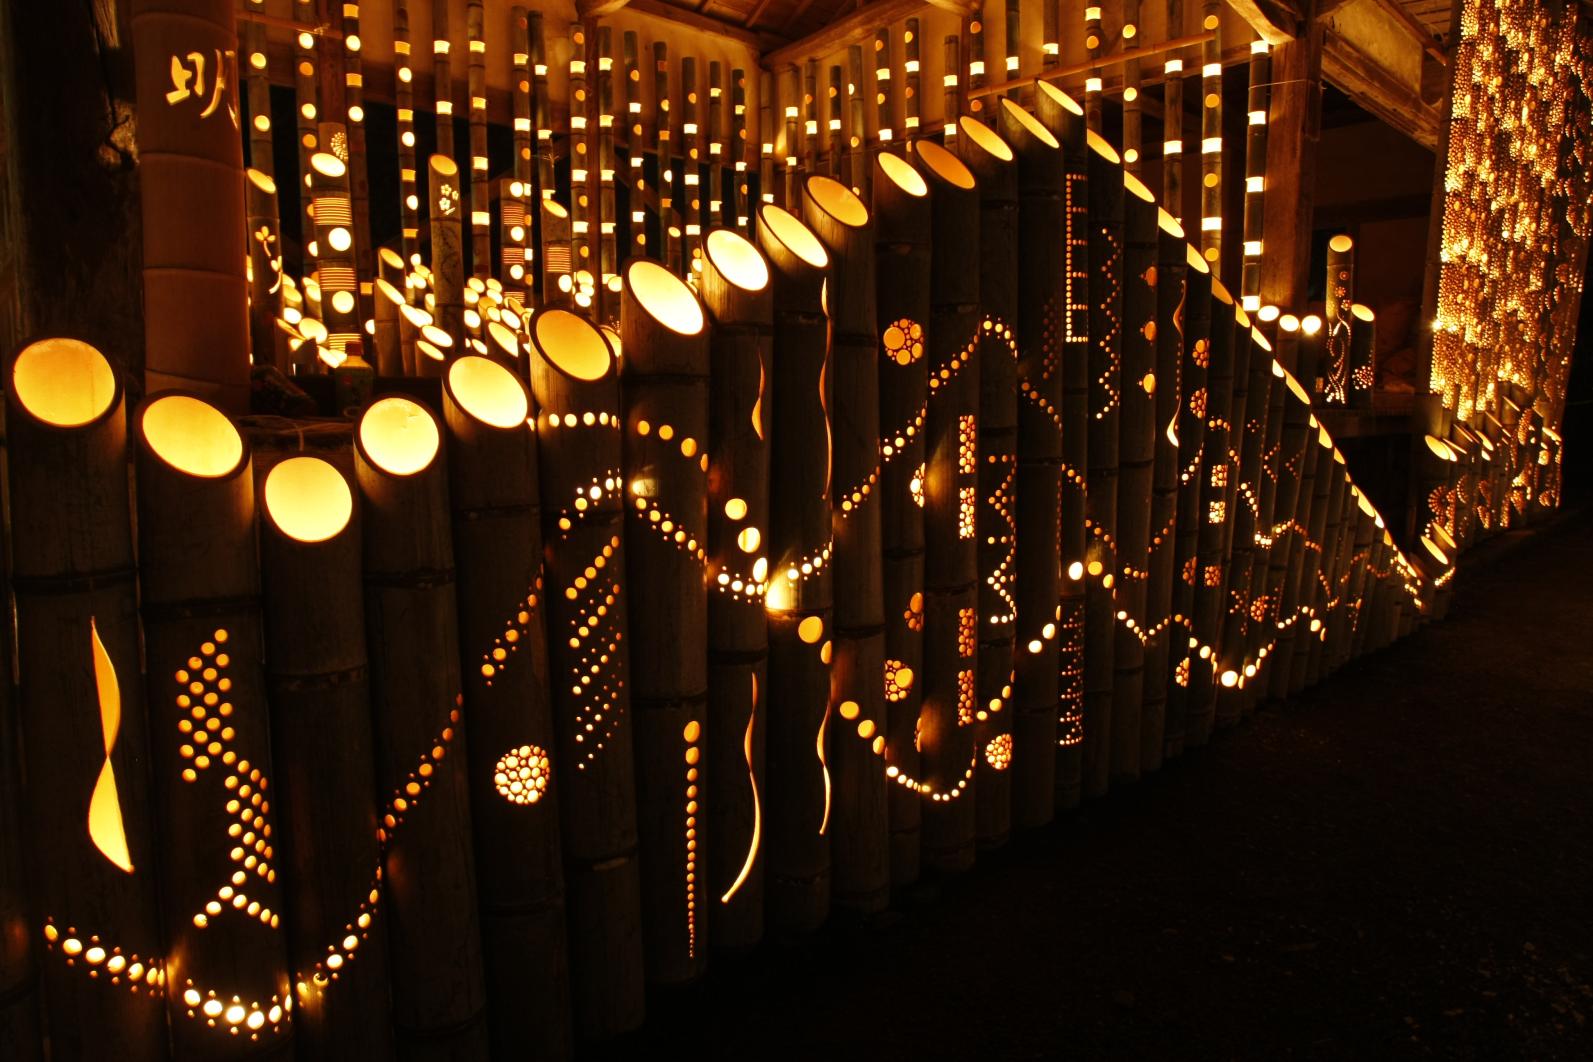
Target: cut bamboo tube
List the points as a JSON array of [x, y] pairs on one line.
[[608, 281], [951, 89], [541, 107], [1211, 170], [1133, 116], [715, 213], [738, 208], [80, 706], [442, 77], [1297, 447], [1191, 429], [502, 604], [480, 192], [912, 79], [1327, 495], [1172, 197], [582, 261], [1136, 474], [1212, 516], [690, 161], [1171, 275], [1105, 407], [514, 230], [434, 934], [386, 334], [191, 198], [835, 106], [575, 381], [994, 454], [643, 163], [902, 270], [447, 250], [812, 140], [946, 725], [1094, 31], [858, 169], [265, 272], [358, 171], [664, 334], [671, 231], [1259, 102], [861, 848], [766, 129], [202, 637], [1064, 117], [516, 210], [404, 97], [799, 593], [558, 283], [1363, 356], [1338, 321], [336, 271], [258, 82], [306, 81], [790, 94], [739, 299], [1034, 585], [973, 28], [322, 748]]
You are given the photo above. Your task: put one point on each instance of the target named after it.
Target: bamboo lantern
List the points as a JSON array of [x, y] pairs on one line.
[[581, 263], [861, 849], [811, 138], [1032, 581], [1093, 32], [541, 104], [359, 181], [837, 151], [385, 328], [1212, 516], [1173, 120], [1260, 97], [912, 81], [790, 93], [799, 594], [1327, 497], [665, 435], [1363, 357], [737, 294], [1301, 542], [1050, 35], [336, 272], [1064, 117], [442, 78], [1191, 430], [951, 99], [995, 455], [1136, 475], [1105, 408], [191, 187], [306, 80], [1171, 274], [1249, 527], [951, 618], [902, 272], [974, 30], [94, 889], [439, 994], [669, 223], [226, 960], [447, 249], [558, 282], [265, 272], [322, 746], [607, 237], [643, 196], [480, 192], [1327, 594], [1133, 118], [514, 230], [497, 537], [1013, 38], [524, 168], [404, 97], [1263, 602], [1211, 191], [1294, 458], [740, 205], [252, 40], [766, 129], [575, 381], [858, 170], [1350, 635], [1339, 321]]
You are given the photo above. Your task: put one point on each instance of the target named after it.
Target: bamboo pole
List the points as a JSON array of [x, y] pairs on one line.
[[253, 46], [1093, 33], [951, 88], [1363, 356], [191, 197], [902, 270], [663, 332], [1136, 473], [516, 209], [447, 249], [1328, 592], [1295, 468], [502, 606], [608, 281], [1211, 170], [442, 78], [581, 138], [1064, 117], [1191, 429], [691, 166], [737, 294], [767, 131], [513, 229], [1171, 277], [558, 282], [1335, 370], [439, 994], [94, 889], [1327, 495], [799, 594], [738, 210], [359, 180], [994, 454], [265, 272], [1105, 414], [336, 271], [858, 167], [836, 164], [202, 638], [575, 382], [1173, 118], [643, 195], [912, 78], [1263, 600], [861, 848], [1259, 102], [316, 673], [670, 231], [404, 99], [1034, 584], [790, 92], [306, 83], [950, 513], [480, 192]]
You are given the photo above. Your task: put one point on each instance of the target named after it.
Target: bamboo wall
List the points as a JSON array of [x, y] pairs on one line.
[[896, 493]]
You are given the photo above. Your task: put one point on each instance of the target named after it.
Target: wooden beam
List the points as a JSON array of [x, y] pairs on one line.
[[585, 9], [860, 24], [1428, 42], [1378, 91], [662, 9], [1274, 22], [1057, 73]]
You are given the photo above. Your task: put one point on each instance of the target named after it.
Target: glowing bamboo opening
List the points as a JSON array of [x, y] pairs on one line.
[[946, 165], [308, 500], [796, 236], [63, 382], [903, 175], [399, 436], [737, 260], [572, 345], [665, 296], [191, 436]]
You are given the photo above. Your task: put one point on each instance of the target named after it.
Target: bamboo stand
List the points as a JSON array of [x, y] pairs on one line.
[[323, 750], [502, 605], [77, 646], [574, 379]]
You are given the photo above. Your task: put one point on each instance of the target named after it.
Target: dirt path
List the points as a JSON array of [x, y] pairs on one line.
[[1400, 863]]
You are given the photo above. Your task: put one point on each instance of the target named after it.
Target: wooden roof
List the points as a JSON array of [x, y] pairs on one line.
[[784, 19]]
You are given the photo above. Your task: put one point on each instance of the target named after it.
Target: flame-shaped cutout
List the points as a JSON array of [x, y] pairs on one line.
[[824, 765], [829, 450], [105, 807], [757, 807], [757, 407]]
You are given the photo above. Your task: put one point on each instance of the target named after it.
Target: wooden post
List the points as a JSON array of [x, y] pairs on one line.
[[503, 605], [190, 158], [737, 294], [439, 994], [1034, 585], [902, 270], [200, 577], [663, 332], [1064, 117], [861, 848], [575, 381], [1100, 506], [323, 750], [950, 513], [81, 705], [1171, 270], [799, 594], [1136, 473], [995, 455]]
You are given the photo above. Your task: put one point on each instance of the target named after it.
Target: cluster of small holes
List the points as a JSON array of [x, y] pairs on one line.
[[521, 775]]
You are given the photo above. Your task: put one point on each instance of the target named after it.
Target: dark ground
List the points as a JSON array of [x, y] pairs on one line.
[[1397, 864]]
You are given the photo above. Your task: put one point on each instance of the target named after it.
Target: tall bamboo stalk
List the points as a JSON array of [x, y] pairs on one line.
[[358, 171], [1133, 117], [265, 271], [1211, 187], [404, 99], [306, 107], [1335, 368], [337, 272], [1363, 356], [80, 704], [480, 175], [1259, 102], [442, 77], [1173, 118]]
